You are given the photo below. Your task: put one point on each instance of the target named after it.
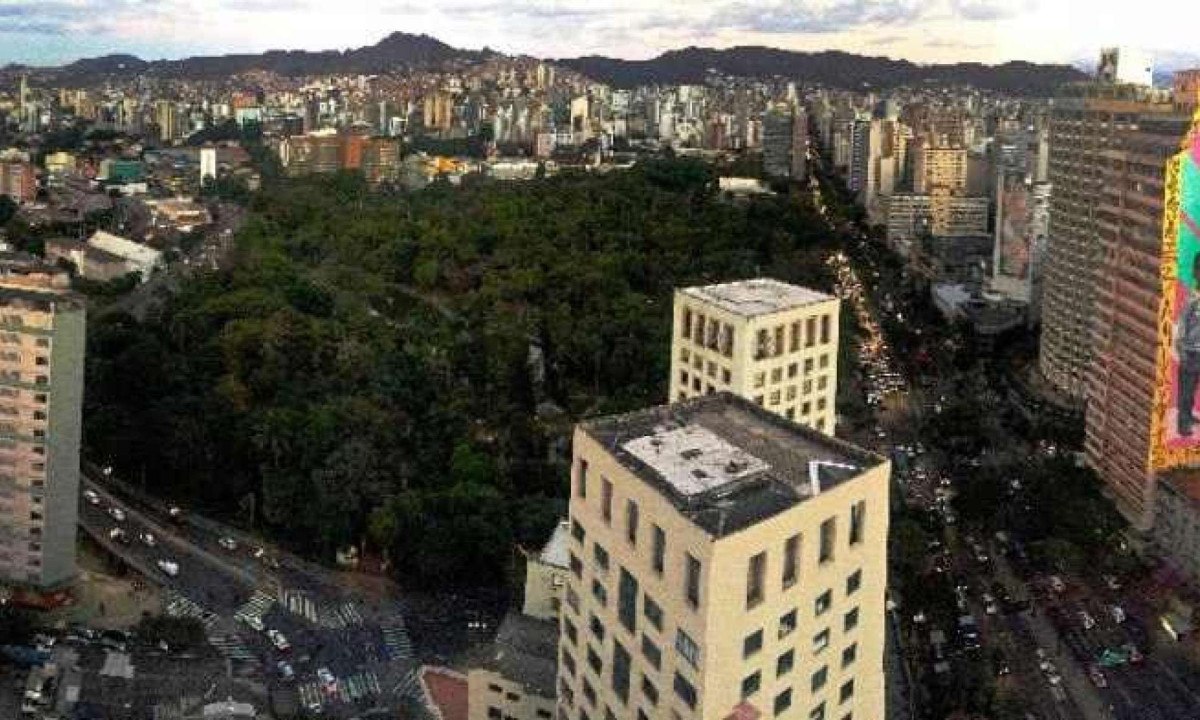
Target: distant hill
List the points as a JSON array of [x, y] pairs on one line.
[[402, 50], [832, 68]]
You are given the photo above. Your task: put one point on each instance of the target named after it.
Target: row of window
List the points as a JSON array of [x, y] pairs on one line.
[[10, 338], [711, 333], [770, 342]]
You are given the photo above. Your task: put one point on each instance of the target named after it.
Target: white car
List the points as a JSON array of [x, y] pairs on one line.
[[1086, 620], [148, 539], [278, 640], [1057, 584], [117, 514], [1118, 614], [91, 497], [328, 681], [228, 543], [169, 567]]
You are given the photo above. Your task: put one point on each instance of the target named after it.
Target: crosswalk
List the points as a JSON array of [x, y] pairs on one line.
[[397, 641], [258, 605], [300, 604], [232, 647], [181, 606], [410, 685], [349, 689], [334, 616]]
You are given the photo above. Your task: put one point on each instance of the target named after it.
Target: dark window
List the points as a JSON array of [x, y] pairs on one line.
[[751, 683], [854, 582], [620, 672], [783, 701], [849, 655], [594, 661], [631, 522], [606, 498], [589, 693], [581, 480], [653, 612], [821, 641], [787, 623], [570, 631], [651, 652], [824, 600], [818, 713], [810, 332], [795, 343], [687, 648], [577, 531], [597, 628], [601, 556], [752, 644], [850, 621], [828, 533], [825, 328], [691, 581], [627, 593], [576, 566], [858, 515], [754, 579], [599, 592], [847, 691], [819, 678], [685, 326], [791, 557], [785, 663], [685, 691], [568, 662], [660, 550], [649, 691]]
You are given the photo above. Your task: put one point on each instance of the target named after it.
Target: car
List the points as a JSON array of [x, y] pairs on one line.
[[989, 604], [285, 669], [328, 681], [1086, 620], [278, 640], [1053, 678], [175, 513], [1111, 582], [1097, 676], [148, 539], [117, 514], [919, 618], [228, 543], [259, 553], [1057, 584], [118, 535], [169, 567], [1118, 614], [91, 497]]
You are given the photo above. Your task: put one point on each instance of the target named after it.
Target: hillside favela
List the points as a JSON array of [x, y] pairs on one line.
[[721, 360]]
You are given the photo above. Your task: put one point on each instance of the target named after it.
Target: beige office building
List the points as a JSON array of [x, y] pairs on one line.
[[765, 340], [546, 576], [41, 394], [724, 562]]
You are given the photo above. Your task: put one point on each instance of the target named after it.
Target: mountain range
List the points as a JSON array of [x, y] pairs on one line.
[[400, 51]]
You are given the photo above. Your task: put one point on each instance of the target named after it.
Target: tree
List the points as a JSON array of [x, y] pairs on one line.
[[8, 209]]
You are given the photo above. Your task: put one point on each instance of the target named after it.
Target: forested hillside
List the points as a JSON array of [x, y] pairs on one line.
[[364, 370]]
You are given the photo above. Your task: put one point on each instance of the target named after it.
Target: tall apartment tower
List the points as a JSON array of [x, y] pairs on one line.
[[785, 142], [1085, 126], [1121, 375], [724, 563], [41, 395], [772, 343]]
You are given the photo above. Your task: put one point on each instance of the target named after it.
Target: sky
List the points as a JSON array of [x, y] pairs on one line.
[[47, 32]]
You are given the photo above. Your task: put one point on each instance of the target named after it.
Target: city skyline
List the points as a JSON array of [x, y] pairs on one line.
[[39, 33]]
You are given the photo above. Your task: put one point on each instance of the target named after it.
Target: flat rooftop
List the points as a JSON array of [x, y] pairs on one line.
[[726, 463], [761, 296], [525, 651]]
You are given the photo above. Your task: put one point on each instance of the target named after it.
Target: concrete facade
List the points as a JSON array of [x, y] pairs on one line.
[[769, 342]]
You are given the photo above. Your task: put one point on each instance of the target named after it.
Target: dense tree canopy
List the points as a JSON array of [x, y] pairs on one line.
[[405, 368]]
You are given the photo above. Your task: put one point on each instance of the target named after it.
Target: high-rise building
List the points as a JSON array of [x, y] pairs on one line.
[[911, 216], [770, 342], [1085, 126], [1124, 331], [18, 180], [208, 163], [41, 394], [724, 562], [785, 141], [1022, 223], [939, 168]]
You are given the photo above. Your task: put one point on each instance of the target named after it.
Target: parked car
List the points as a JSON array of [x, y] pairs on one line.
[[228, 543], [1057, 584], [118, 535], [1086, 620], [169, 567], [278, 640], [1097, 676], [148, 539], [285, 670], [91, 497], [328, 681], [1118, 614], [117, 514]]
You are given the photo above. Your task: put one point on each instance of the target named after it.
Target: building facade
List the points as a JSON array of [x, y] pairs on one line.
[[770, 342], [546, 576], [41, 394], [513, 678], [911, 216], [723, 560], [18, 181], [1177, 520]]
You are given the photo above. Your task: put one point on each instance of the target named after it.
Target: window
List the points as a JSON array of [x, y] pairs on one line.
[[685, 326], [783, 701], [620, 672], [791, 555], [758, 399], [858, 514], [818, 713], [847, 691], [627, 594], [699, 333], [850, 621], [828, 534], [787, 623], [687, 648], [727, 340], [683, 378], [649, 691], [659, 551], [581, 480], [819, 678], [795, 343], [597, 628], [726, 377], [849, 655], [785, 663], [777, 376], [825, 327], [606, 500], [712, 369], [599, 592], [807, 387], [714, 331], [594, 661], [631, 522], [577, 531], [810, 332], [823, 362], [751, 683], [651, 652], [691, 580], [822, 382], [824, 600], [589, 693], [568, 663], [775, 397], [808, 366], [754, 579], [653, 612], [763, 346], [760, 379], [791, 392], [570, 631], [685, 691], [576, 566], [805, 408], [572, 598], [685, 355], [752, 643], [854, 582], [820, 641], [601, 556]]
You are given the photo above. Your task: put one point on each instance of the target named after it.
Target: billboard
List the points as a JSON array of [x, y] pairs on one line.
[[1175, 422], [1012, 228]]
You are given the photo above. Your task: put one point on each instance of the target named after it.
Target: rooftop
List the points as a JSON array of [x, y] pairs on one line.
[[555, 552], [761, 296], [725, 462], [525, 651]]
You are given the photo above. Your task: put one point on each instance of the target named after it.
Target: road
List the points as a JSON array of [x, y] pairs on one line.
[[365, 644]]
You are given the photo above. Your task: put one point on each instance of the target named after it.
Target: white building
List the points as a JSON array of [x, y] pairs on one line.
[[139, 258], [208, 163]]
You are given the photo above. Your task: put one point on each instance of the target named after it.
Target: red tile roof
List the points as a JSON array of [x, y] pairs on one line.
[[446, 691]]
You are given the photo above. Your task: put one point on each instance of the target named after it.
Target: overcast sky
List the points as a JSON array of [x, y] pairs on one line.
[[53, 31]]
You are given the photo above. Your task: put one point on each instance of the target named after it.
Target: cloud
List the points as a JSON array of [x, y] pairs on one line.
[[990, 10], [817, 16]]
